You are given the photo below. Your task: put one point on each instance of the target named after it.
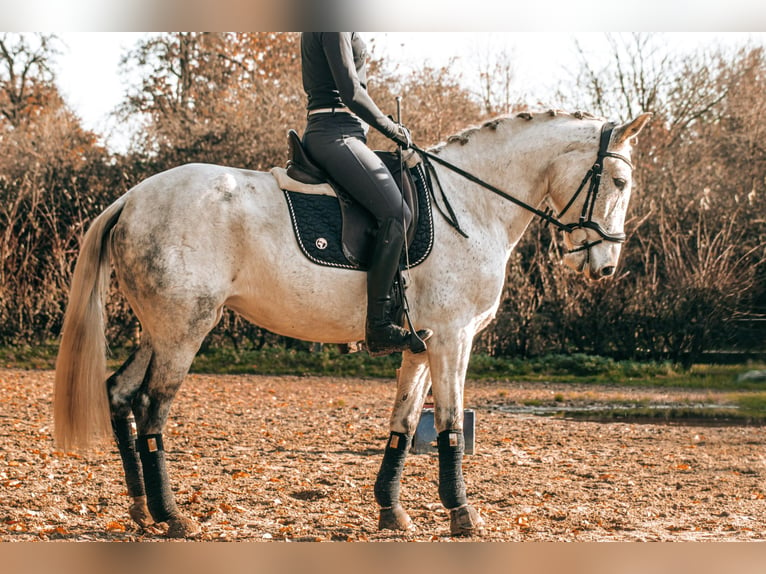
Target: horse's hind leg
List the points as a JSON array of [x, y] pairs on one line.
[[140, 394], [146, 387], [167, 368], [412, 385], [122, 387]]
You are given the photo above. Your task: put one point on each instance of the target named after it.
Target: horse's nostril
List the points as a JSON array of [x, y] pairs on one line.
[[607, 271]]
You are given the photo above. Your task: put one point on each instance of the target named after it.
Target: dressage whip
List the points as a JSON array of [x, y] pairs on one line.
[[417, 345], [401, 184]]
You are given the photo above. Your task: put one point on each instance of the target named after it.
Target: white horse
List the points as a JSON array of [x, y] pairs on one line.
[[190, 241]]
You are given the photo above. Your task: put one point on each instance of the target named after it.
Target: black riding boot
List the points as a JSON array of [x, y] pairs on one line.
[[383, 336]]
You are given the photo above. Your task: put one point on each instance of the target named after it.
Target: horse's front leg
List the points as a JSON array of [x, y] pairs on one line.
[[449, 363], [412, 385]]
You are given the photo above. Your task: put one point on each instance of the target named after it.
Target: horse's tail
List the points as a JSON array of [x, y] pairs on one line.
[[81, 405]]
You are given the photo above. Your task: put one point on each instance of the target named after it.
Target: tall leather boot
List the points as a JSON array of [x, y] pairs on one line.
[[382, 335]]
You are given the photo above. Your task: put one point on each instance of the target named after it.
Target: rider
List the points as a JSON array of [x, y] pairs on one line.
[[335, 80]]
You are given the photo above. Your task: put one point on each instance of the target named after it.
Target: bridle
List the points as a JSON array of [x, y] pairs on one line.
[[592, 179]]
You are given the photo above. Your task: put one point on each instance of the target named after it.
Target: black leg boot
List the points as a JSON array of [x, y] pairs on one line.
[[383, 336]]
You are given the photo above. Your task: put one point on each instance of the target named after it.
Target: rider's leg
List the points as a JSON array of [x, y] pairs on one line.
[[338, 145]]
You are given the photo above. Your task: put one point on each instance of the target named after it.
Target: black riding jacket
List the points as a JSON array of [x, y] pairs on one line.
[[335, 76]]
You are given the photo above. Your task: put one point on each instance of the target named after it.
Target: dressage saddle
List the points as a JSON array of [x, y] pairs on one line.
[[358, 225]]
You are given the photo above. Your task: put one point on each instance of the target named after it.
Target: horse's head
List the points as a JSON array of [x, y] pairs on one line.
[[591, 198]]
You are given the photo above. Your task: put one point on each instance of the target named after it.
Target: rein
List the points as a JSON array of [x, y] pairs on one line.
[[586, 215]]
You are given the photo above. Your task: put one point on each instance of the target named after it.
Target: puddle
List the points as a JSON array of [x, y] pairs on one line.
[[552, 410], [661, 414]]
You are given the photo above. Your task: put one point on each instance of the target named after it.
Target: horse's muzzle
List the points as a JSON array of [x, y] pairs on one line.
[[583, 262]]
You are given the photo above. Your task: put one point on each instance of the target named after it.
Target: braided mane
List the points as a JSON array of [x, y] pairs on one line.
[[464, 136]]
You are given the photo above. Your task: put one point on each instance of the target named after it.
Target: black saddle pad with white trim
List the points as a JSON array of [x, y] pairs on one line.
[[318, 225]]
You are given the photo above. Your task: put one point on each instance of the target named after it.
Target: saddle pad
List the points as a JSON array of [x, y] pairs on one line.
[[317, 224]]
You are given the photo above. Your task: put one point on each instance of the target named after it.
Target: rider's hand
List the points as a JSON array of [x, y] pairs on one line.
[[402, 137]]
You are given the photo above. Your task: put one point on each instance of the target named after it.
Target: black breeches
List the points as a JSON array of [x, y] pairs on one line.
[[337, 143]]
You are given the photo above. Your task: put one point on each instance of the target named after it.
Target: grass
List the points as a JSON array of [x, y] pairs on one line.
[[740, 400], [223, 361], [29, 357], [750, 404], [579, 368], [574, 368], [276, 361]]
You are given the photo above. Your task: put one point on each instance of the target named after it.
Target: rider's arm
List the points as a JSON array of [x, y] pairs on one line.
[[340, 58]]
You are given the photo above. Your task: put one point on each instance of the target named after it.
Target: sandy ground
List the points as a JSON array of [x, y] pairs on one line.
[[295, 458]]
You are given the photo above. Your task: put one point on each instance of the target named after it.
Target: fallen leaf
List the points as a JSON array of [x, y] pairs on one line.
[[115, 526]]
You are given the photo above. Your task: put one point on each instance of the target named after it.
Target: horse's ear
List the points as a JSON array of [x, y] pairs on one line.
[[630, 130]]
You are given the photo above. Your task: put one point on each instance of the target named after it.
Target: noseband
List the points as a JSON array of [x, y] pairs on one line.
[[592, 178]]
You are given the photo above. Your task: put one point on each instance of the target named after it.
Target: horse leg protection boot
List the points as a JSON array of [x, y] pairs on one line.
[[451, 445], [387, 483], [464, 519], [160, 498], [392, 515], [125, 435]]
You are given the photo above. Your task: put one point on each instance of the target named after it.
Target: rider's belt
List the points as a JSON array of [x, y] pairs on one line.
[[329, 111]]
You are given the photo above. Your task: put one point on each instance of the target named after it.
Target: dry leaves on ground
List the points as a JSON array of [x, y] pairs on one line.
[[295, 458]]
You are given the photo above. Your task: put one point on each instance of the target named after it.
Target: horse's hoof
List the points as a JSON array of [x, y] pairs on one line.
[[182, 527], [465, 521], [394, 518], [139, 512]]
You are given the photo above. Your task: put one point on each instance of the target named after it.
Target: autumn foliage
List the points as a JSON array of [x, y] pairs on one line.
[[691, 280]]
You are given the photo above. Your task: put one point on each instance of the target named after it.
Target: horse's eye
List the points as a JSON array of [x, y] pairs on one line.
[[619, 183]]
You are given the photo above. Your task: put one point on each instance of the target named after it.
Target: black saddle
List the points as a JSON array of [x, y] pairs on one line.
[[336, 230]]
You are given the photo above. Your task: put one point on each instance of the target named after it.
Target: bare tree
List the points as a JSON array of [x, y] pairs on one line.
[[225, 98], [496, 75], [634, 80], [692, 276], [25, 74], [435, 104]]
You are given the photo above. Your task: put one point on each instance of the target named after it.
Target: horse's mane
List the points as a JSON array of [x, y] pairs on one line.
[[464, 136]]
